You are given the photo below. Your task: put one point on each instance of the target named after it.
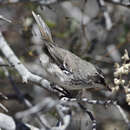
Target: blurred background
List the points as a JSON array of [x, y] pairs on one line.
[[96, 30]]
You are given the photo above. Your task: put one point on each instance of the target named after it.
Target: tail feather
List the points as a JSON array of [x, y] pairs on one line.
[[44, 29]]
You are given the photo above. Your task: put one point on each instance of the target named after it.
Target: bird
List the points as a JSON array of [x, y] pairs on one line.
[[74, 72]]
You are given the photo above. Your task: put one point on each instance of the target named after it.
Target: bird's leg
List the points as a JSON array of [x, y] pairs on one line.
[[63, 92]]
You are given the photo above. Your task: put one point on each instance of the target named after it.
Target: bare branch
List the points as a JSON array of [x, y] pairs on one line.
[[122, 114], [5, 19], [21, 69], [106, 14], [7, 122], [120, 2]]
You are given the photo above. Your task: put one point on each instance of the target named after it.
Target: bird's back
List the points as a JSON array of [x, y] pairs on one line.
[[85, 74]]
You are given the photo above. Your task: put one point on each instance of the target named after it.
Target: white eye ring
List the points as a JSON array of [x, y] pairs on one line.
[[66, 72]]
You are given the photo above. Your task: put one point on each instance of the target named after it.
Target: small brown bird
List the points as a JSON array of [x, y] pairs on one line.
[[74, 73]]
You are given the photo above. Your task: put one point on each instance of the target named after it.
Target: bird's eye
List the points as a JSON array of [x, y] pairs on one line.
[[67, 72]]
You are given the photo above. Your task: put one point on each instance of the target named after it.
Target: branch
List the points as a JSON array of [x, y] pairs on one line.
[[7, 122], [42, 2], [5, 19], [21, 69], [123, 114], [45, 105], [106, 14], [125, 3]]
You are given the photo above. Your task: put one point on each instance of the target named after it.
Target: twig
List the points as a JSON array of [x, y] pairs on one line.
[[90, 115], [84, 29], [122, 113], [100, 102], [106, 14], [5, 19], [125, 3], [42, 2], [45, 105]]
